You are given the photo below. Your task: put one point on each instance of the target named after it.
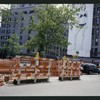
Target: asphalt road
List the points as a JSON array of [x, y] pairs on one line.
[[89, 85]]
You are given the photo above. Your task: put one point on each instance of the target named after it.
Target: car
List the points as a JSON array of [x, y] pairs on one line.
[[99, 70], [89, 68]]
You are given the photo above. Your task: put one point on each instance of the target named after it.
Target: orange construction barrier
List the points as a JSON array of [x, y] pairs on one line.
[[69, 70]]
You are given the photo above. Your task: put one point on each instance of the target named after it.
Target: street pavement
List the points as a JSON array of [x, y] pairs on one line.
[[88, 85]]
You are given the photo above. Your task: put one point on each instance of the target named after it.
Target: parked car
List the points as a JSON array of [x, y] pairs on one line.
[[89, 68]]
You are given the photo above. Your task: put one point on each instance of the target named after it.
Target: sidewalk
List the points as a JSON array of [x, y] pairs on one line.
[[89, 85]]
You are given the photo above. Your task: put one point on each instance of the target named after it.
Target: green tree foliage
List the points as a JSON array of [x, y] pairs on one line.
[[50, 24], [11, 47]]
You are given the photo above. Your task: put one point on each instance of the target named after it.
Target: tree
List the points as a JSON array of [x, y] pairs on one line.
[[5, 18], [11, 47], [50, 24]]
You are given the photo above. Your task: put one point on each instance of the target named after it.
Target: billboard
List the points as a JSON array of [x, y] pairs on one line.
[[80, 38]]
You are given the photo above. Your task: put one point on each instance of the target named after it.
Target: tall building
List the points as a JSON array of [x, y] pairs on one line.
[[18, 21], [95, 45]]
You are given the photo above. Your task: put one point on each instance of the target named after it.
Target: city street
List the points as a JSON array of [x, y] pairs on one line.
[[89, 85]]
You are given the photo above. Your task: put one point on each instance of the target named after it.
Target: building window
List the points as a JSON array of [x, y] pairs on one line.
[[20, 43], [3, 26], [30, 4], [15, 19], [2, 37], [29, 31], [31, 11], [98, 10], [8, 25], [22, 18], [9, 19], [21, 31], [20, 37], [13, 31], [7, 31], [94, 12], [16, 13], [93, 31], [95, 51], [21, 24], [22, 5], [57, 47], [2, 31], [25, 12], [97, 30], [2, 43], [98, 20], [94, 21], [96, 41], [65, 34]]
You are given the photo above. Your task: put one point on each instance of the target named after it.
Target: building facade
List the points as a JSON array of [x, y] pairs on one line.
[[19, 21], [95, 43]]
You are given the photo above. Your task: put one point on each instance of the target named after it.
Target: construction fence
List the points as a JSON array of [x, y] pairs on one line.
[[36, 70]]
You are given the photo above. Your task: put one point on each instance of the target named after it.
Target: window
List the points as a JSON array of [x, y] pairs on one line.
[[98, 10], [22, 18], [94, 12], [30, 4], [9, 19], [31, 17], [93, 31], [7, 31], [15, 19], [20, 37], [2, 31], [13, 31], [21, 31], [29, 31], [16, 13], [3, 26], [97, 20], [97, 30], [31, 11], [8, 25], [57, 47], [95, 51], [22, 5], [64, 34], [2, 37], [20, 43], [21, 24], [28, 37], [94, 21], [96, 41], [65, 50], [25, 12], [2, 43]]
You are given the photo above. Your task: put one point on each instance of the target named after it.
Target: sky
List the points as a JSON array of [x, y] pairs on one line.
[[4, 6]]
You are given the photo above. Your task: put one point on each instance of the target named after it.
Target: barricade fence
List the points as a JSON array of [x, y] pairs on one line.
[[42, 68]]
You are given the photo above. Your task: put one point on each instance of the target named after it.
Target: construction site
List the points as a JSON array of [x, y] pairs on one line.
[[35, 76]]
